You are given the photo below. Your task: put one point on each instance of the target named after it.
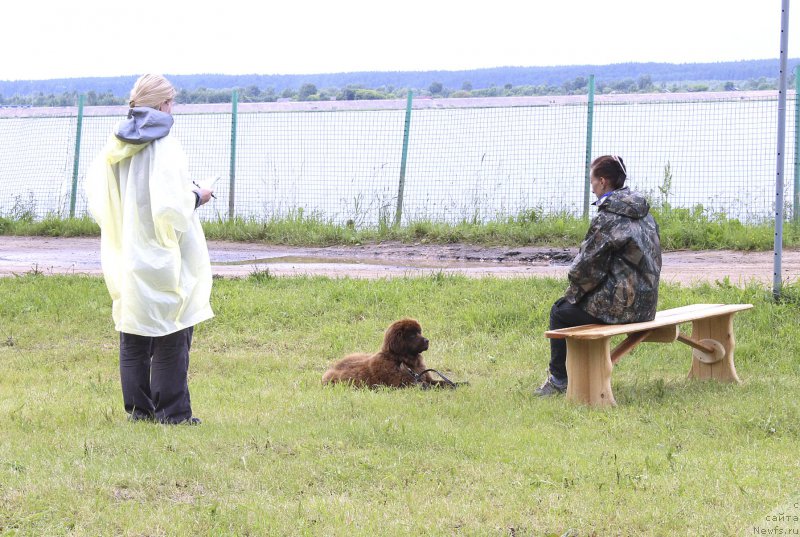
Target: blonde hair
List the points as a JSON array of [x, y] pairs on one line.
[[151, 91]]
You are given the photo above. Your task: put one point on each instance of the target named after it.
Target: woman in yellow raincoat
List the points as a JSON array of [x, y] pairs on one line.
[[153, 252]]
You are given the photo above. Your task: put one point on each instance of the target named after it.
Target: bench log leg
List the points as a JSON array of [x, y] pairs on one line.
[[719, 329], [589, 371]]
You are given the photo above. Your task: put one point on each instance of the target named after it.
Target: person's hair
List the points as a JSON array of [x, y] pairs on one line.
[[612, 168], [151, 91]]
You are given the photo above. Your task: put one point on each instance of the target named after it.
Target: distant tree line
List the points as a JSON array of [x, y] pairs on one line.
[[309, 92], [495, 82]]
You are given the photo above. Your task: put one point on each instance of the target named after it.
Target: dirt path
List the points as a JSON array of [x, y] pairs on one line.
[[19, 255]]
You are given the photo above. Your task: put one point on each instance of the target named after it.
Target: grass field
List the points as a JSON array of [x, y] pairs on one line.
[[278, 454]]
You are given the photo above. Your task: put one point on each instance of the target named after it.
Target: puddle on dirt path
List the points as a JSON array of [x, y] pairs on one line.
[[345, 262]]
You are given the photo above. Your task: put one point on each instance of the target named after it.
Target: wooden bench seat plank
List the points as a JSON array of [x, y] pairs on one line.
[[663, 318]]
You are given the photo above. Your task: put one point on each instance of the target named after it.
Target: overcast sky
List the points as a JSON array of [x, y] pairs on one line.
[[58, 39]]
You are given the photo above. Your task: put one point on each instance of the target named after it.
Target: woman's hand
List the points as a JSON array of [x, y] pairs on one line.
[[204, 194]]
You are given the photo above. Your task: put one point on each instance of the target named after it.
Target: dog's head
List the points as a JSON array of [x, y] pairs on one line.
[[404, 338]]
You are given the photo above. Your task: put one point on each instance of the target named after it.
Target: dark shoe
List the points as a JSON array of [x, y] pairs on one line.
[[191, 421], [550, 387], [188, 421], [137, 417]]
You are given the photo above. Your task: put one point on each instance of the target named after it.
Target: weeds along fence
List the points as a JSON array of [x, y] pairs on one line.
[[369, 163]]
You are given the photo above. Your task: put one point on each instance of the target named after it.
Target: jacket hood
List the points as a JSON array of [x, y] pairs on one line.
[[143, 125], [626, 203]]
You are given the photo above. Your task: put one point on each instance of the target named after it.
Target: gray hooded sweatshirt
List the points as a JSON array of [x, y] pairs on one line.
[[143, 125]]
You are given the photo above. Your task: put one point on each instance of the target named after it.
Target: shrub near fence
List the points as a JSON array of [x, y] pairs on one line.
[[471, 160]]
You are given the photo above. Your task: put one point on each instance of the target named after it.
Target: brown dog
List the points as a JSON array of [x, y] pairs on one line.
[[399, 362]]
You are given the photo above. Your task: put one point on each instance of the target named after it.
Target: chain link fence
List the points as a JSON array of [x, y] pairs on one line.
[[476, 160]]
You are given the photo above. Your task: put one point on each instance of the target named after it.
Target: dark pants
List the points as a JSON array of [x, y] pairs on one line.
[[154, 373], [564, 315]]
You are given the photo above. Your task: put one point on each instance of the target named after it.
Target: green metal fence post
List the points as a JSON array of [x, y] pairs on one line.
[[399, 213], [587, 187], [796, 206], [234, 121], [77, 159]]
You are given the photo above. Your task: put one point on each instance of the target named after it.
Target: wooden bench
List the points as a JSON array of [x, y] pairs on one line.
[[590, 358]]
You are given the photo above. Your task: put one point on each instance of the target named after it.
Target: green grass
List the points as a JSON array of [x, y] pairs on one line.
[[51, 226], [278, 454], [693, 229]]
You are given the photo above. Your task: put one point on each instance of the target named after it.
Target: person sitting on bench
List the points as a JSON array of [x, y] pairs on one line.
[[614, 277]]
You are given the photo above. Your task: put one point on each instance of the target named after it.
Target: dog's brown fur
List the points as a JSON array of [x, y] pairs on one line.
[[403, 344]]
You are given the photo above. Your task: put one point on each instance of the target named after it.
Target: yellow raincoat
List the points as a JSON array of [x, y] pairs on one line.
[[152, 247]]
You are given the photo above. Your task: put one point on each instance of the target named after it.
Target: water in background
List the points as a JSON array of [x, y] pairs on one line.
[[475, 164]]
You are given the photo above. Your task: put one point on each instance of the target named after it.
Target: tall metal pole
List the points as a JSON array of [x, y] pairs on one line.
[[589, 126], [234, 122], [399, 212], [776, 274], [77, 159]]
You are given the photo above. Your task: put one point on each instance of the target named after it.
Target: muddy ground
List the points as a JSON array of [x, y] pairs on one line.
[[20, 255]]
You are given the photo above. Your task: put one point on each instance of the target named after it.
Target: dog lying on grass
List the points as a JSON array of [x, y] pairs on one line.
[[398, 364]]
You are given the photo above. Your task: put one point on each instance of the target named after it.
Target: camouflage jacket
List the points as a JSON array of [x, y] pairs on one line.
[[615, 275]]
